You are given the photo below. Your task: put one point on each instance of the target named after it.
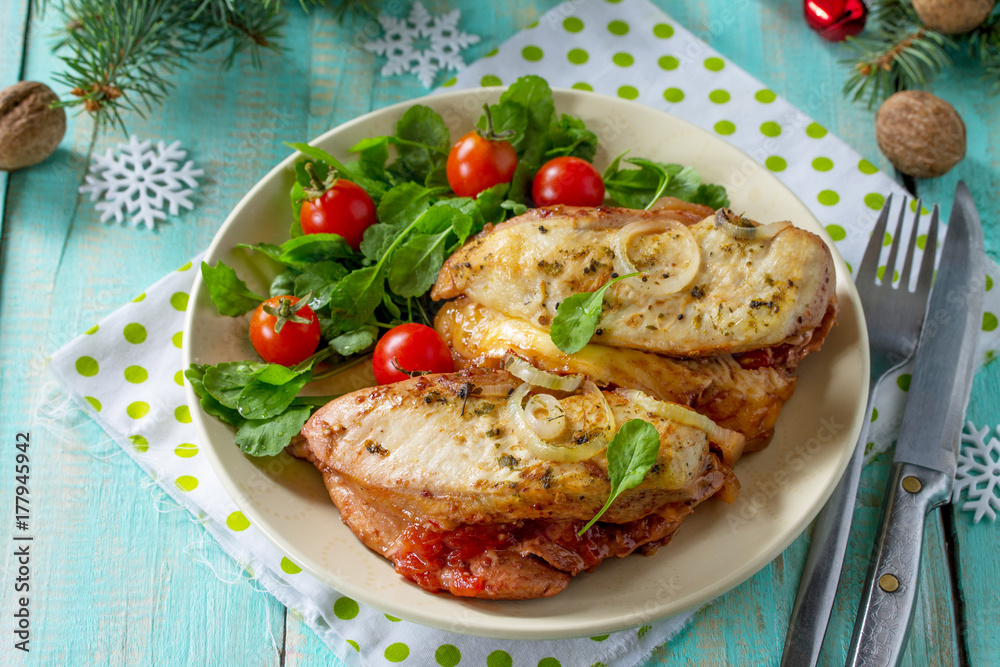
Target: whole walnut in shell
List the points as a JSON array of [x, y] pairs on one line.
[[921, 134], [30, 130], [953, 17]]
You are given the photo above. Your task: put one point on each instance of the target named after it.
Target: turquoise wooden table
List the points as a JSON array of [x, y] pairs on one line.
[[121, 577]]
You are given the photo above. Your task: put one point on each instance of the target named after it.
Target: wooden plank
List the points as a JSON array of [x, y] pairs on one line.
[[117, 582], [13, 28]]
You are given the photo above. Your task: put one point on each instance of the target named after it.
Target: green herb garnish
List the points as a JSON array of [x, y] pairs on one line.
[[576, 317], [640, 188], [631, 453]]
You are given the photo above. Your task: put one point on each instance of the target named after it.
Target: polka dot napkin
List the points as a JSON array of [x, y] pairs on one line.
[[126, 372]]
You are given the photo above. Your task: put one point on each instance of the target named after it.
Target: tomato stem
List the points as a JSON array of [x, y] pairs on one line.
[[490, 134], [288, 311], [318, 186]]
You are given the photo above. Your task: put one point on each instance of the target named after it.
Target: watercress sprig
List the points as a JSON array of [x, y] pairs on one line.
[[577, 316], [631, 453]]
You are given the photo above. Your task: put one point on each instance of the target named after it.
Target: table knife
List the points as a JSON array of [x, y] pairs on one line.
[[923, 469]]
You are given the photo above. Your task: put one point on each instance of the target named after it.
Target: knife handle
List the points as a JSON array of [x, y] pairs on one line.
[[890, 591]]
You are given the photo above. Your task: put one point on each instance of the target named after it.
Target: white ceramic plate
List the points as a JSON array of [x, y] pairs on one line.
[[720, 546]]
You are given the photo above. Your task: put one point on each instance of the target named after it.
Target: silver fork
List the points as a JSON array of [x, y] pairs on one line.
[[894, 315]]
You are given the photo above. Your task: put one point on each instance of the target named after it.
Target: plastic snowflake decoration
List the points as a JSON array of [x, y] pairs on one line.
[[979, 473], [140, 180], [404, 40]]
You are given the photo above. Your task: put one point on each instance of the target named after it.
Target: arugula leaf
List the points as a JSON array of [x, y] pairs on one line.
[[416, 263], [377, 239], [508, 116], [532, 93], [640, 188], [353, 342], [403, 204], [304, 251], [354, 299], [275, 374], [372, 155], [260, 399], [283, 283], [631, 453], [269, 249], [571, 137], [268, 437], [195, 376], [711, 195], [422, 140], [229, 294], [225, 381], [577, 317]]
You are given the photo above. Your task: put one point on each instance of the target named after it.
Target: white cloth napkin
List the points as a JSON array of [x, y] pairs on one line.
[[126, 372]]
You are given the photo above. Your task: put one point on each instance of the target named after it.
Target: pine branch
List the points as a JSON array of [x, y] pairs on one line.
[[902, 54], [120, 54]]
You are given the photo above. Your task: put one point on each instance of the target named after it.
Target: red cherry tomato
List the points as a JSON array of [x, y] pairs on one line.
[[344, 209], [476, 163], [568, 180], [298, 335], [410, 349]]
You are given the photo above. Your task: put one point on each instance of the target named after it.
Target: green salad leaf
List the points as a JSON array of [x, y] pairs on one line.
[[640, 188], [631, 453], [577, 317], [228, 292]]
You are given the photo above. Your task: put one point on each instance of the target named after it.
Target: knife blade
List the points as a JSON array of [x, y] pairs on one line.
[[923, 469]]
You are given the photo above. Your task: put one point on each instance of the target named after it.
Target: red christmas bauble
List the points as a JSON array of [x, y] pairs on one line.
[[835, 20]]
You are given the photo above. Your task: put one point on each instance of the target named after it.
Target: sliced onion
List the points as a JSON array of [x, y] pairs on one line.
[[551, 423], [724, 220], [558, 453], [524, 371], [730, 443], [686, 259]]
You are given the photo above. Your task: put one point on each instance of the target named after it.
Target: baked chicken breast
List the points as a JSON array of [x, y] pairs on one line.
[[747, 400], [433, 474], [703, 291]]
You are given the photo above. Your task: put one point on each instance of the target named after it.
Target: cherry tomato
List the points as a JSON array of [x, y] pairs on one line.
[[410, 349], [344, 209], [476, 163], [568, 180], [284, 332]]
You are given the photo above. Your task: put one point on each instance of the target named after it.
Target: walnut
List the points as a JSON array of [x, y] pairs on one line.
[[953, 17], [921, 134], [30, 130]]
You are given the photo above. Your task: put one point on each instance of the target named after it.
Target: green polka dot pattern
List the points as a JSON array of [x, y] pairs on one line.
[[673, 95], [719, 96], [136, 374], [628, 92], [577, 56], [669, 63], [623, 59], [87, 366], [770, 129], [345, 608], [775, 163], [135, 333], [397, 652], [490, 80], [663, 30], [725, 127], [714, 64], [765, 96], [573, 24], [288, 567], [499, 659], [447, 655], [618, 28], [532, 53], [237, 522]]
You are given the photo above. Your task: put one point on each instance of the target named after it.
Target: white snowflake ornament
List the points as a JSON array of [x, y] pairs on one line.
[[401, 43], [140, 180], [979, 473]]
